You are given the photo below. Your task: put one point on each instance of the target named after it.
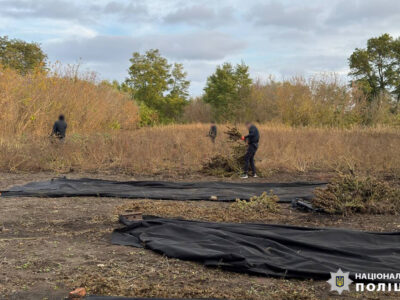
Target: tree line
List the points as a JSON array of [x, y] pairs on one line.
[[230, 95]]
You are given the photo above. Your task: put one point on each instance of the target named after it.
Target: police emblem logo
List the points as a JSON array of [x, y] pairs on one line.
[[339, 281]]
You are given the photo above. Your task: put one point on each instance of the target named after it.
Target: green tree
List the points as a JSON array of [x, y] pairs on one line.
[[20, 55], [158, 85], [376, 68], [227, 91]]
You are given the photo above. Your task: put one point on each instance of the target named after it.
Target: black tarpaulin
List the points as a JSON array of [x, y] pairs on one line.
[[224, 191], [269, 250]]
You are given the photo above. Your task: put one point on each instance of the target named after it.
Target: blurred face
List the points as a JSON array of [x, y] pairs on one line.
[[248, 125]]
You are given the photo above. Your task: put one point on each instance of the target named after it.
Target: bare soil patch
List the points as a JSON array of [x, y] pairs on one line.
[[51, 246]]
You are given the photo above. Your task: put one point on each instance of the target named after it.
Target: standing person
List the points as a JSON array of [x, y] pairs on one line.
[[252, 140], [59, 128], [213, 132]]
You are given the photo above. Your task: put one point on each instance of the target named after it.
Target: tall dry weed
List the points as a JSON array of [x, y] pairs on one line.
[[30, 104]]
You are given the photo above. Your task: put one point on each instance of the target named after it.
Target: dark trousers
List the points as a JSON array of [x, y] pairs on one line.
[[249, 158], [212, 137]]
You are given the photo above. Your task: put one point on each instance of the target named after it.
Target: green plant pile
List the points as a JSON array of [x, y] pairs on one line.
[[266, 202], [348, 194], [228, 165], [233, 134]]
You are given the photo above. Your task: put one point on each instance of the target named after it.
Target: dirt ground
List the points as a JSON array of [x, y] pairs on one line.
[[49, 246]]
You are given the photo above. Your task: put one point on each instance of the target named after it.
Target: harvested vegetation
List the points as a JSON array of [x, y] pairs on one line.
[[348, 194], [258, 204], [233, 134], [230, 163], [258, 209]]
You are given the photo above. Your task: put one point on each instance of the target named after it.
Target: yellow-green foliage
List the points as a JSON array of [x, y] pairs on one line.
[[266, 202], [356, 194], [148, 116]]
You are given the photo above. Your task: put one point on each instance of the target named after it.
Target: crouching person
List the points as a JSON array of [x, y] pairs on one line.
[[59, 128]]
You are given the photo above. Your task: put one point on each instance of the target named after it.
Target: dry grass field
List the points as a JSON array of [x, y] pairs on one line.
[[182, 149]]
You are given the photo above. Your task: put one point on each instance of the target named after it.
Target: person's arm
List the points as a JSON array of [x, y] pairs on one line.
[[252, 133]]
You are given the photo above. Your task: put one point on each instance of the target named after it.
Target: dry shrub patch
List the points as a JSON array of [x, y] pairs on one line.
[[349, 194]]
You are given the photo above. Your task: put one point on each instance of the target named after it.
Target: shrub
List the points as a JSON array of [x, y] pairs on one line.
[[148, 116], [197, 111]]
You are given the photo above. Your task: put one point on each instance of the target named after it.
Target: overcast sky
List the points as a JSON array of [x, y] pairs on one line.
[[279, 38]]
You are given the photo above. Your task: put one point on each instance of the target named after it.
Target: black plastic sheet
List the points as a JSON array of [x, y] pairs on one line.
[[268, 250], [163, 190]]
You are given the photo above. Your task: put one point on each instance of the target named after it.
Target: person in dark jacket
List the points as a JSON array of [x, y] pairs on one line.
[[59, 128], [213, 132], [252, 140]]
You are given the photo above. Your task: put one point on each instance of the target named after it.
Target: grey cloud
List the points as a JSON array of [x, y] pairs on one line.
[[191, 46], [284, 15], [347, 12], [281, 37], [53, 9], [294, 35], [307, 64], [96, 49], [109, 55], [197, 70], [324, 62], [199, 45], [69, 10], [132, 11], [200, 15]]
